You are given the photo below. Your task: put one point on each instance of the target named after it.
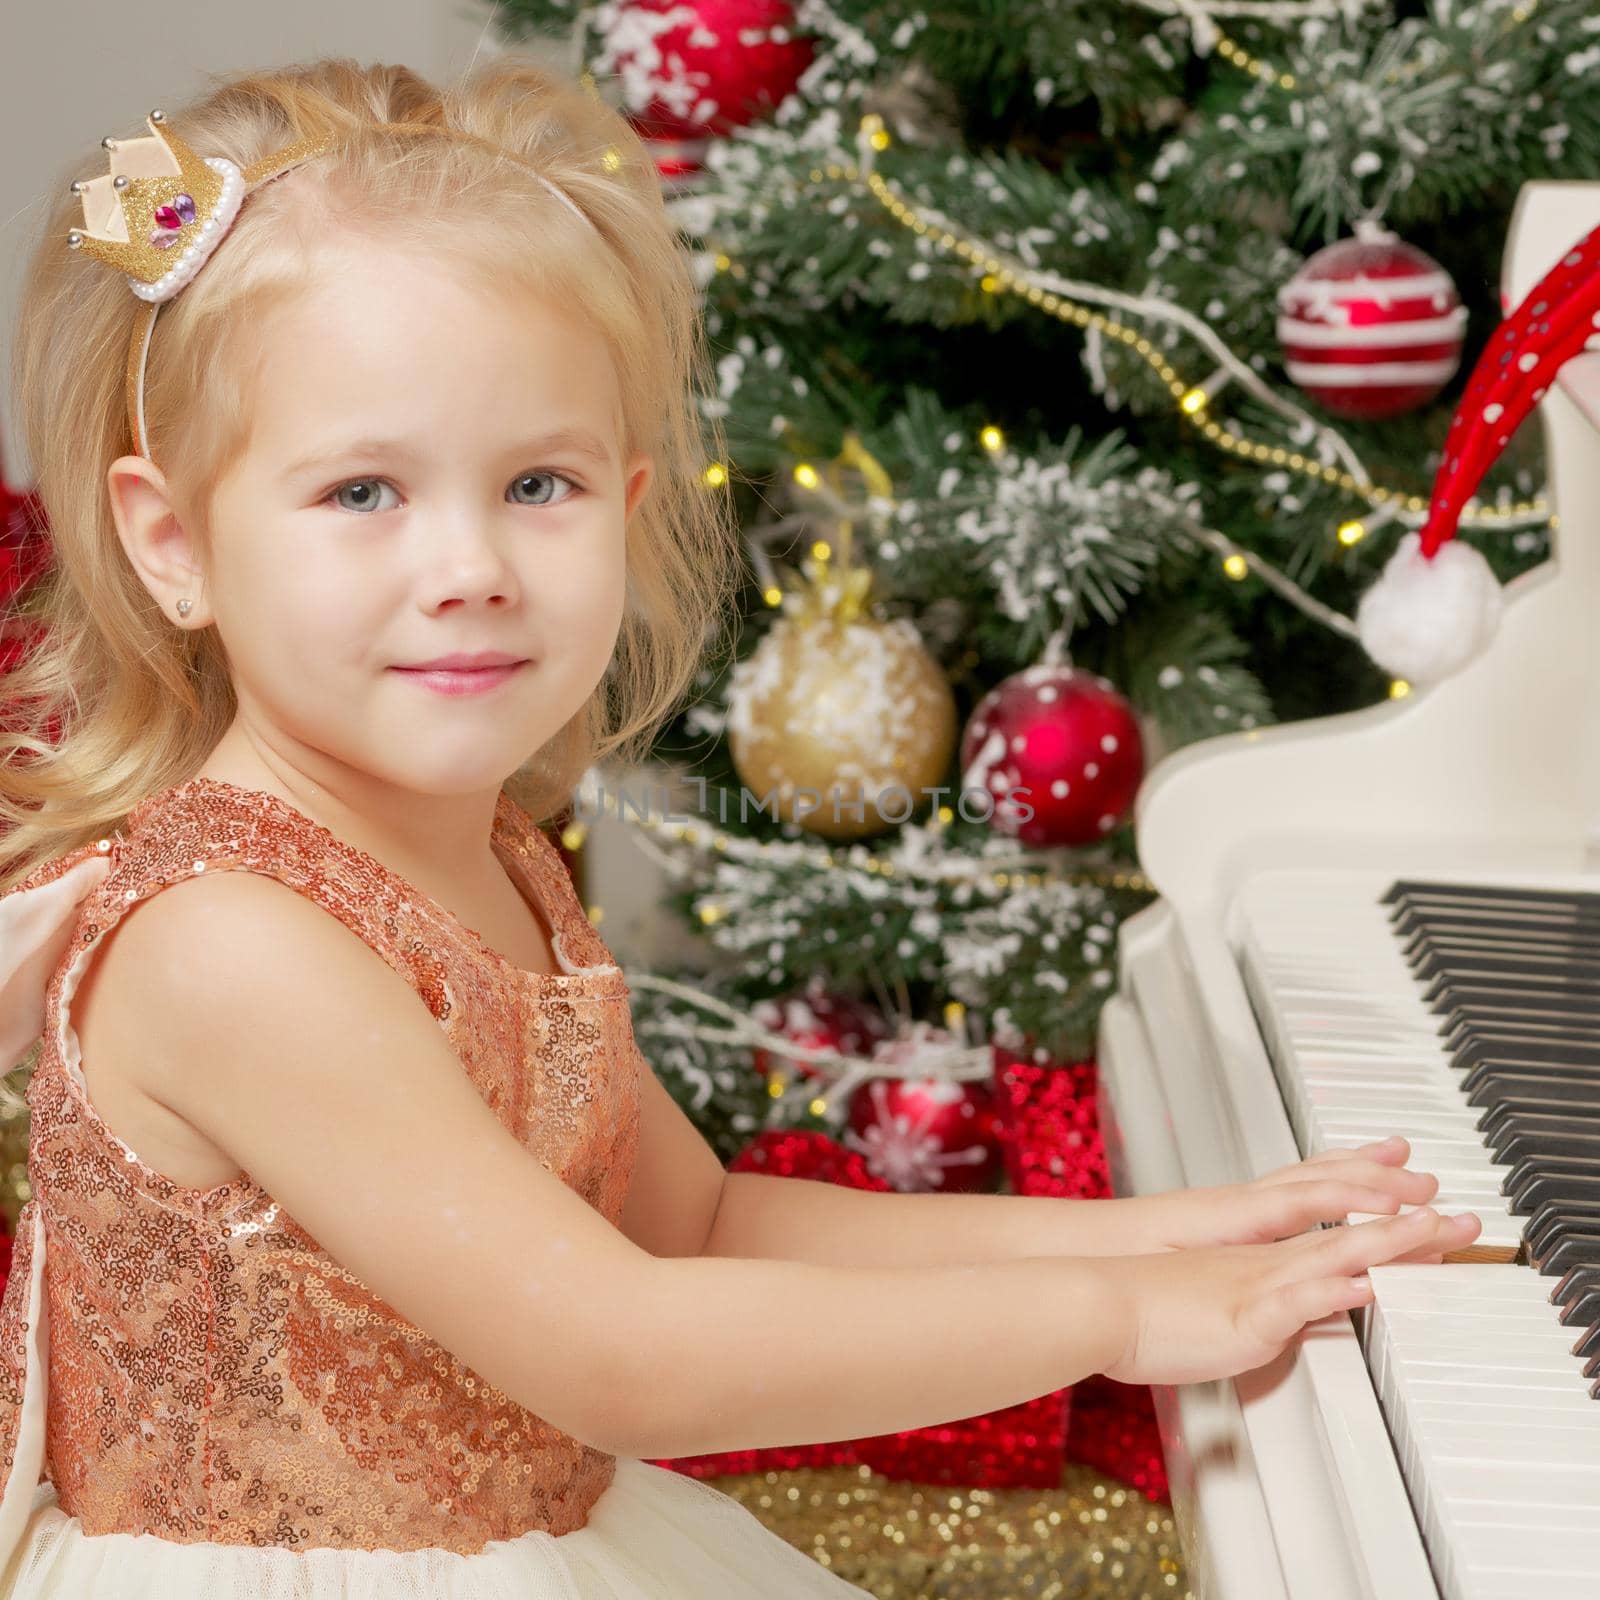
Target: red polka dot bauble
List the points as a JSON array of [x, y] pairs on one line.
[[1058, 752], [818, 1020], [924, 1134], [1371, 326], [692, 69]]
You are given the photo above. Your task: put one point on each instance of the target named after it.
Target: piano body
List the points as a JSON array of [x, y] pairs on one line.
[[1270, 957]]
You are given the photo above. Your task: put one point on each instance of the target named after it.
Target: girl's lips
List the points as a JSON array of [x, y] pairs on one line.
[[454, 680]]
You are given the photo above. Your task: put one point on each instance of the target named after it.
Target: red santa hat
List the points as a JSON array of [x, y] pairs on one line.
[[1437, 603]]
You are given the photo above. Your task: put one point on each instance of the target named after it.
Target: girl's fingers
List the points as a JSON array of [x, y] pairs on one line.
[[1358, 1169], [1352, 1249], [1412, 1187], [1288, 1309], [1297, 1206], [1392, 1152]]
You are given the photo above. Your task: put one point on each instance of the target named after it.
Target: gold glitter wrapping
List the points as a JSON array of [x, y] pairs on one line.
[[213, 1373], [1089, 1539]]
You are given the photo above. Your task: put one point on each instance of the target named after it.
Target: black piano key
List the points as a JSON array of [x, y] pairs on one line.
[[1442, 993], [1581, 1280], [1578, 1112], [1504, 1075], [1571, 1238], [1549, 1217], [1576, 1250], [1584, 1312], [1559, 1089], [1550, 1186], [1459, 1024], [1565, 1052], [1587, 1344], [1430, 966], [1492, 946], [1409, 892], [1530, 1144]]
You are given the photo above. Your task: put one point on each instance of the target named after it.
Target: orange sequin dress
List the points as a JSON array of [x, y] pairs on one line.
[[197, 1400]]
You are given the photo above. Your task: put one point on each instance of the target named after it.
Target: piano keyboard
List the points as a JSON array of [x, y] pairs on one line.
[[1355, 1046], [1466, 1017], [1497, 1433]]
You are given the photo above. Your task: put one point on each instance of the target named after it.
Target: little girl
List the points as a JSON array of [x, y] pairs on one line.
[[365, 1255]]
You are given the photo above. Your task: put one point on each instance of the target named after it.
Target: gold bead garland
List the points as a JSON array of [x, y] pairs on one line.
[[1192, 400]]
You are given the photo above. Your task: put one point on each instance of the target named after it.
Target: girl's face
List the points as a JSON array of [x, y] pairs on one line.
[[430, 470]]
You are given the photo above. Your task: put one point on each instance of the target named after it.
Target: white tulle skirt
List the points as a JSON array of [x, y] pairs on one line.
[[654, 1534]]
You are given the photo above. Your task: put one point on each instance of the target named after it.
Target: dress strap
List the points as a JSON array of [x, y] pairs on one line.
[[36, 920], [578, 945]]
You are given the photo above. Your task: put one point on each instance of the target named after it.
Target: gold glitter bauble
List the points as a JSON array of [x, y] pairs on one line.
[[1090, 1539], [856, 713]]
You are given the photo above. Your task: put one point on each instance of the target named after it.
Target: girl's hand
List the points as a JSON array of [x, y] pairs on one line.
[[1325, 1188], [1188, 1316]]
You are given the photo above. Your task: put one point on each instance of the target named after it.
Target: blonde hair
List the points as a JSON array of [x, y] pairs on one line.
[[115, 702]]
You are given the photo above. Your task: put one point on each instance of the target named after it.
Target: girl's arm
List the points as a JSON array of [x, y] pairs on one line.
[[682, 1203], [799, 1219], [350, 1108]]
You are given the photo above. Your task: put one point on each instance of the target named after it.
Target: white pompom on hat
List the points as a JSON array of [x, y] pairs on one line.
[[1423, 620], [1437, 603]]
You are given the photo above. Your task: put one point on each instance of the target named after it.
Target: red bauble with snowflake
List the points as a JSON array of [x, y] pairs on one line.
[[925, 1134], [817, 1020], [1061, 743], [693, 69], [1371, 326]]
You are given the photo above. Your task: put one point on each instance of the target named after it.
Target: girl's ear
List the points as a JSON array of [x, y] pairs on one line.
[[152, 534], [640, 471]]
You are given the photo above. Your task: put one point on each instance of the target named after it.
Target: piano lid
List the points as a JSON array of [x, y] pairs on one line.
[[1499, 764]]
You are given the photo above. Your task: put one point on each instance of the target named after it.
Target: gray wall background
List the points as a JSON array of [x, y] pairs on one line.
[[72, 71]]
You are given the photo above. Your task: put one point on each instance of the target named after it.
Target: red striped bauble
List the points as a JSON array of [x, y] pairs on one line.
[[1371, 326]]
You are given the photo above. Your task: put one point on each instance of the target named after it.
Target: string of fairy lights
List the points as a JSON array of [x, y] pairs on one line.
[[1042, 290], [1045, 291], [1001, 275], [1192, 400], [1236, 55]]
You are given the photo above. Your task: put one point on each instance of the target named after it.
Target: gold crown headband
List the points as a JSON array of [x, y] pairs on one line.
[[160, 213]]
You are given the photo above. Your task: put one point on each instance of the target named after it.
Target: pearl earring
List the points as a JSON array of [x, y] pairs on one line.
[[185, 607]]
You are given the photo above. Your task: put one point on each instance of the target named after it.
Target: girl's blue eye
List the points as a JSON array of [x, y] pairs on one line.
[[368, 499], [554, 477]]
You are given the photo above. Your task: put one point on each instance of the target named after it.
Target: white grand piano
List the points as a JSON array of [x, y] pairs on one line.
[[1442, 1445]]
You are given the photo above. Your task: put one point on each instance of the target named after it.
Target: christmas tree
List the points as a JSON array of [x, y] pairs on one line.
[[1079, 365]]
